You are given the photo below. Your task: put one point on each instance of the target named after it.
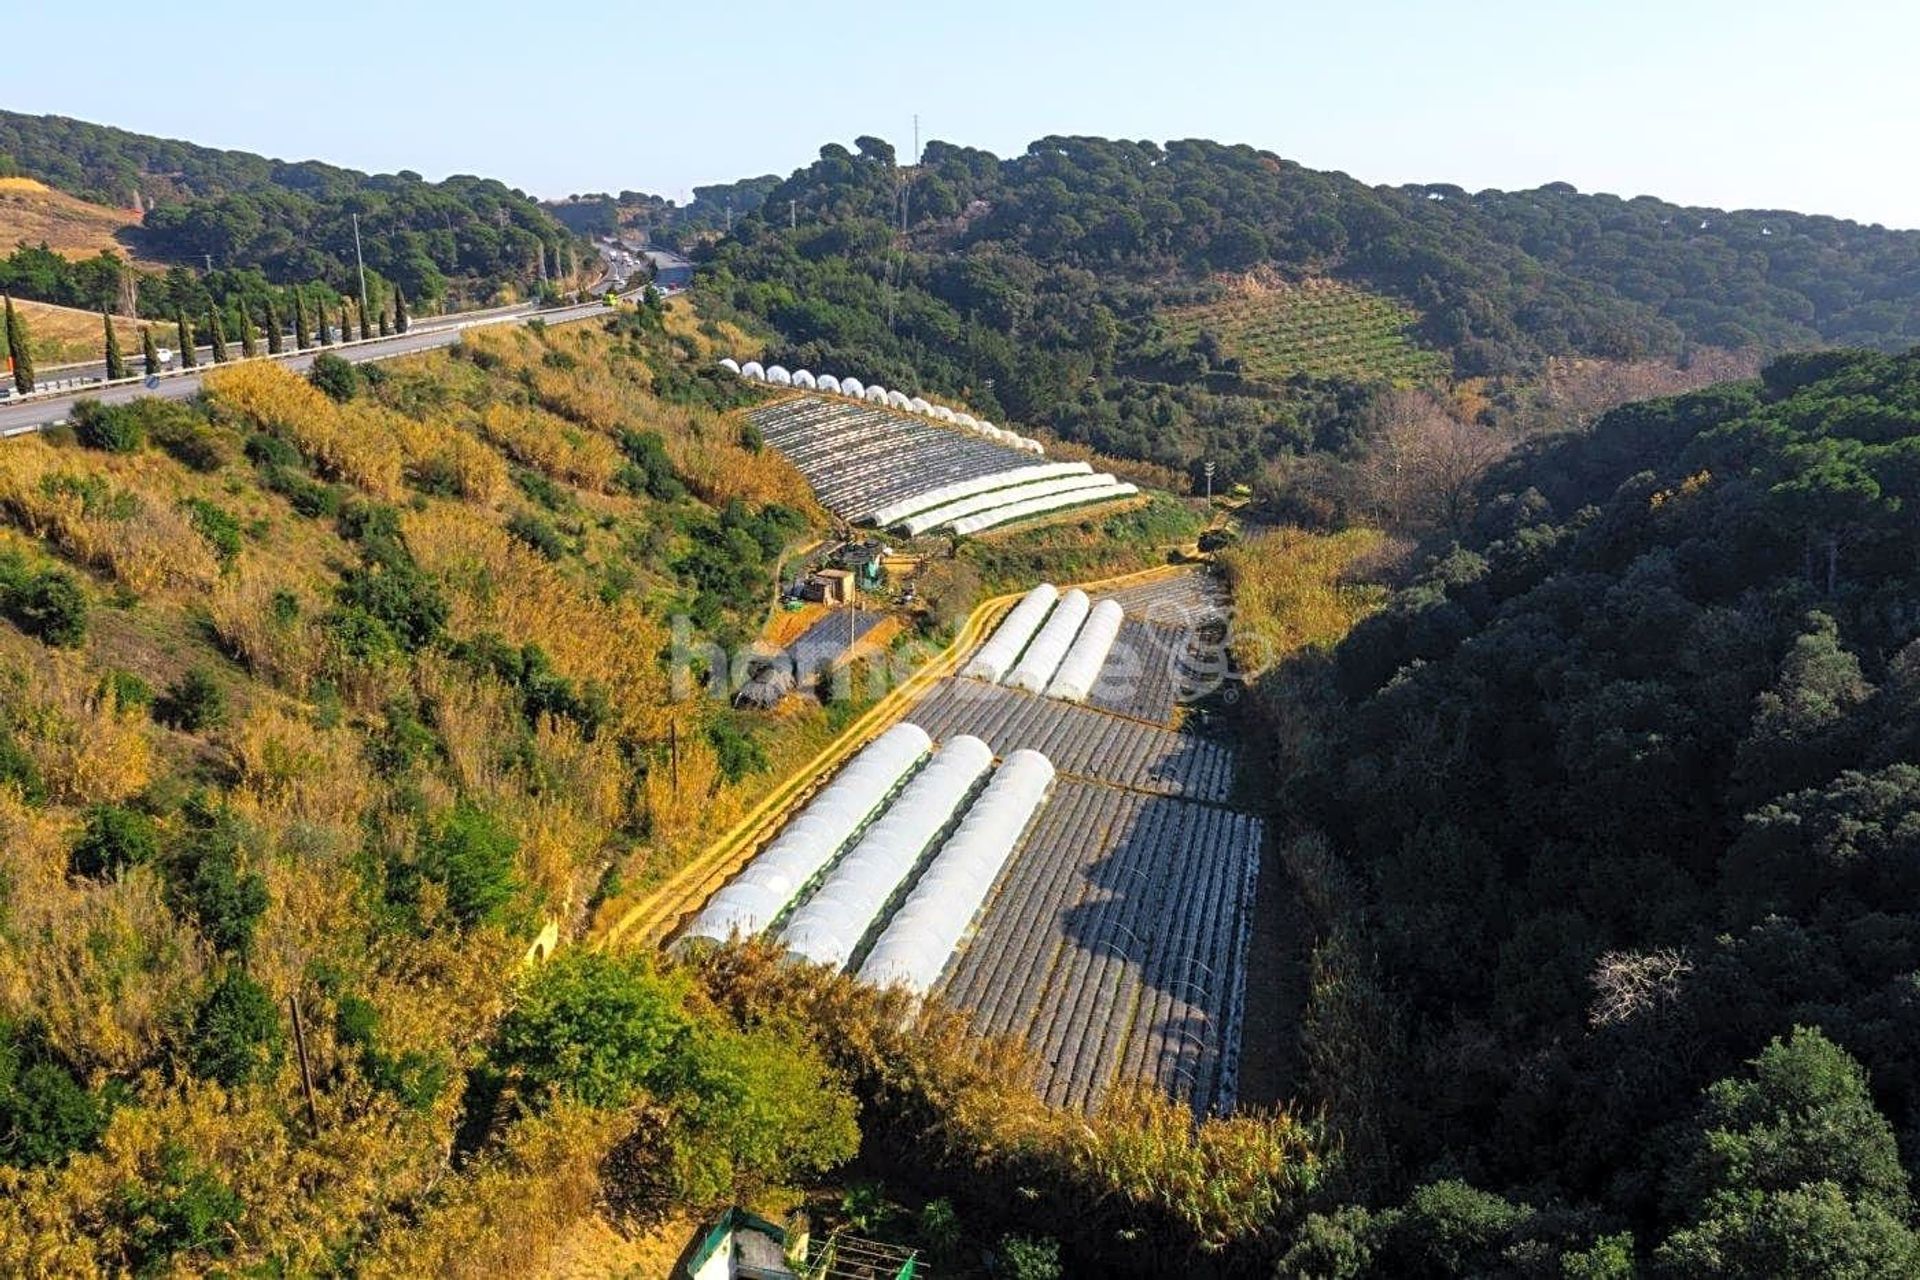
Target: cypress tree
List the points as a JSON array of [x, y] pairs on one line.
[[400, 318], [346, 322], [19, 346], [247, 349], [149, 350], [386, 330], [6, 342], [116, 366], [366, 332], [274, 345], [320, 323], [216, 335], [185, 329]]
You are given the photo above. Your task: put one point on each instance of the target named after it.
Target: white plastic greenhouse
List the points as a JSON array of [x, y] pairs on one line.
[[750, 902], [730, 364], [926, 500], [826, 382], [1042, 658], [877, 394], [922, 935], [803, 378], [899, 400], [853, 388], [919, 406], [829, 925], [991, 661], [778, 376], [751, 369], [1081, 667], [928, 521], [1039, 506]]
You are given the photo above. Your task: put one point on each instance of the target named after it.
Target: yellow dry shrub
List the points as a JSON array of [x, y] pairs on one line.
[[144, 540], [705, 449], [434, 449], [241, 610], [476, 720], [583, 395], [1290, 592], [506, 1215], [686, 812], [552, 444], [497, 585], [291, 768], [354, 442], [89, 749], [106, 968]]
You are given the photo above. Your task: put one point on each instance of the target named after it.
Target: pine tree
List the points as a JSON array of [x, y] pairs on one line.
[[149, 350], [274, 344], [19, 345], [400, 318], [184, 328], [116, 366], [216, 335], [247, 350]]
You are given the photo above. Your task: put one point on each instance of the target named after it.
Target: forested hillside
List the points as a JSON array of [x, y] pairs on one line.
[[1615, 801], [292, 221], [1046, 287]]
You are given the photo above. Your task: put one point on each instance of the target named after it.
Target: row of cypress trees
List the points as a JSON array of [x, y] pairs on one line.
[[305, 335], [16, 351]]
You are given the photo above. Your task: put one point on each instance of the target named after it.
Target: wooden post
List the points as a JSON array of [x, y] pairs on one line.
[[306, 1070]]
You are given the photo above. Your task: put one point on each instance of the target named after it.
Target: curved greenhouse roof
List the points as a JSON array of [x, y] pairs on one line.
[[992, 659], [1081, 667], [779, 376], [940, 495], [1042, 658], [806, 845], [729, 364], [752, 369], [877, 394], [927, 521], [803, 378], [826, 382], [923, 934], [853, 387], [900, 400], [1040, 506], [830, 924]]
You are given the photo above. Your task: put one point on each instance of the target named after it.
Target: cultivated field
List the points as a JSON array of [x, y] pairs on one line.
[[64, 335], [1321, 327], [1113, 944]]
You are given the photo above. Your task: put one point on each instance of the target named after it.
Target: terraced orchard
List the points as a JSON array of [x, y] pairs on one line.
[[1322, 327]]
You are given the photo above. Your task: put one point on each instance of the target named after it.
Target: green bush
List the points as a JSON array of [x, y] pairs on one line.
[[1030, 1258], [597, 1028], [538, 534], [112, 840], [127, 689], [473, 856], [19, 769], [46, 603], [46, 1114], [193, 702], [113, 428], [739, 752], [182, 1208], [217, 526], [237, 1033], [339, 380]]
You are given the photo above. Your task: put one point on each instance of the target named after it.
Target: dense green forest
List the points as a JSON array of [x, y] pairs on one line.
[[1032, 286], [658, 218], [1617, 800], [292, 221]]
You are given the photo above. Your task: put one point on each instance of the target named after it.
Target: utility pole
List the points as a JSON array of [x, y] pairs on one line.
[[209, 258], [306, 1071], [793, 215], [361, 265], [1208, 471]]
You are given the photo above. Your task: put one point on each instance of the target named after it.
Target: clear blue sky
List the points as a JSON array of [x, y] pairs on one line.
[[1771, 104]]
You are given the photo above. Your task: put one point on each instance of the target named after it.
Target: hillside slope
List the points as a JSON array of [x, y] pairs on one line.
[[31, 212], [1040, 286], [1601, 808]]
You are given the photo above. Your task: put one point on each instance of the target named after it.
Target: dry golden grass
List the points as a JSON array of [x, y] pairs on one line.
[[1290, 592], [290, 768], [551, 444], [355, 442], [88, 748], [33, 213], [106, 514], [67, 335]]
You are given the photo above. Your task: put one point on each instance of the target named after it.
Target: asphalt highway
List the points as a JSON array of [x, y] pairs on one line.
[[41, 410]]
